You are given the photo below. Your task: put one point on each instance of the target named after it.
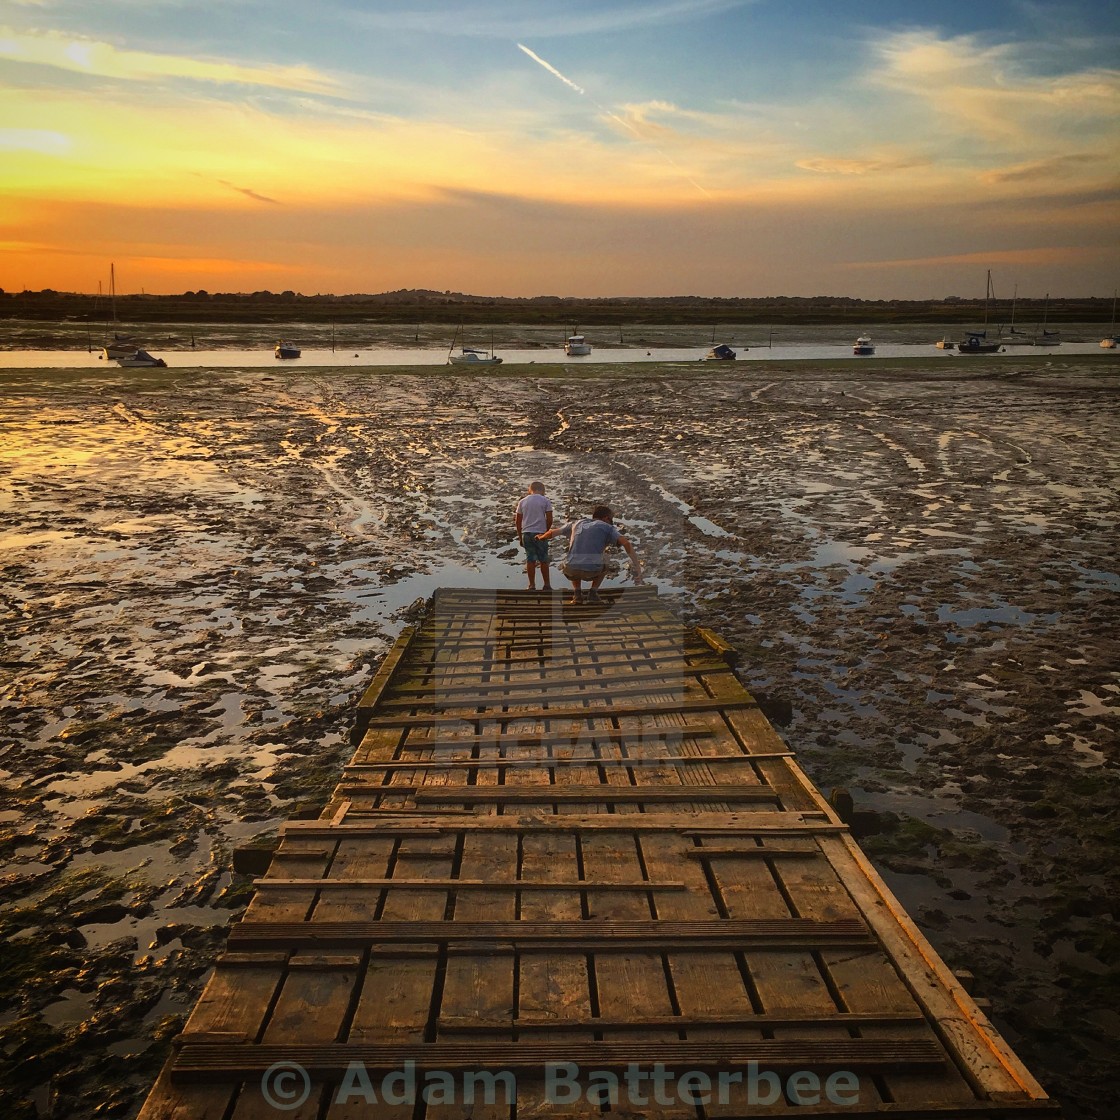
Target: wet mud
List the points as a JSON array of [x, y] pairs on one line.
[[202, 569]]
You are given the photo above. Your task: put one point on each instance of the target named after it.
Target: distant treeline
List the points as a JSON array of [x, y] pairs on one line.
[[407, 306]]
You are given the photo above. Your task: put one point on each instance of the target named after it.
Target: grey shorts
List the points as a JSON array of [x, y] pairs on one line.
[[536, 550], [582, 573]]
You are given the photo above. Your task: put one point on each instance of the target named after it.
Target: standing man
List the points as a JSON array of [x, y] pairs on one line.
[[589, 538], [533, 521]]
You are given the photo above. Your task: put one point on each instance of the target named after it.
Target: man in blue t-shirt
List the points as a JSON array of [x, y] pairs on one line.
[[588, 538]]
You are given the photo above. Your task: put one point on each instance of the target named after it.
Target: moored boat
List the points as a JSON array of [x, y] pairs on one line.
[[577, 346], [863, 345], [1110, 340], [977, 342], [721, 353], [945, 344], [141, 358], [287, 350], [119, 345], [471, 357]]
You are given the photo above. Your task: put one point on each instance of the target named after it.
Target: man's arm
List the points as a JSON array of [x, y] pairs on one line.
[[635, 563], [548, 519], [517, 521]]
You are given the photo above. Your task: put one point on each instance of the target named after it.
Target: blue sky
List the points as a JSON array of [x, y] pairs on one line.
[[645, 147]]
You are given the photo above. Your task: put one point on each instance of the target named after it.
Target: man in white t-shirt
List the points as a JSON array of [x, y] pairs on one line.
[[533, 519]]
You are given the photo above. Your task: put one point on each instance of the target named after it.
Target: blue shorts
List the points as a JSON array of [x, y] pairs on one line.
[[536, 550]]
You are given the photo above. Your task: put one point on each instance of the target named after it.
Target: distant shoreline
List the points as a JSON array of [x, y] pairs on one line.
[[452, 308]]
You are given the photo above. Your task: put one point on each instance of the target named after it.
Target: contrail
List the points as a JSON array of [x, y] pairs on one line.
[[613, 116], [551, 69]]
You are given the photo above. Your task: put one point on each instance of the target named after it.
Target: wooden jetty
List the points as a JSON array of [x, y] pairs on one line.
[[571, 858]]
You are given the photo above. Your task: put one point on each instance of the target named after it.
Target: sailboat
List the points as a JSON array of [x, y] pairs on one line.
[[470, 356], [1045, 337], [119, 346], [1110, 340], [1012, 337], [976, 342]]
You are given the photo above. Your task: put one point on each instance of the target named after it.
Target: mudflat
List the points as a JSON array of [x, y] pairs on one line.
[[917, 563]]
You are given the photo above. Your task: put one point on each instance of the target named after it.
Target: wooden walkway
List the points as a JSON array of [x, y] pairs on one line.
[[568, 835]]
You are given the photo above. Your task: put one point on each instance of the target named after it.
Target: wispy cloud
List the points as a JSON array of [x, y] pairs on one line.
[[991, 91], [1047, 170], [541, 18], [44, 141], [843, 166], [100, 59], [256, 196], [1041, 255]]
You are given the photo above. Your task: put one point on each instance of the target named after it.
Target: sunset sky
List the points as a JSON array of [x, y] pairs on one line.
[[561, 147]]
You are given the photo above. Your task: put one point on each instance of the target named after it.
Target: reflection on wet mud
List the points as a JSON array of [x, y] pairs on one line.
[[202, 569]]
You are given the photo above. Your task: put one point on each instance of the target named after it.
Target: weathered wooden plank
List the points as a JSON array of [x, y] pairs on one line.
[[582, 736], [397, 883], [464, 670], [990, 1065], [649, 794], [560, 711], [432, 822], [239, 1061], [707, 932], [480, 987], [553, 984], [380, 682], [558, 685], [634, 982], [535, 762]]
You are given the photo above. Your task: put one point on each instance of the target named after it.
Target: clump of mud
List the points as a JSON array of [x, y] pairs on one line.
[[201, 571]]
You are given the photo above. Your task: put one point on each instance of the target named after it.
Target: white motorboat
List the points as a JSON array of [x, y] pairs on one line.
[[470, 357], [721, 353], [287, 350], [863, 345], [1110, 340], [141, 358], [577, 346]]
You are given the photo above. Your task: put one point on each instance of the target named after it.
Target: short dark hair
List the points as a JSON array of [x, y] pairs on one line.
[[602, 513]]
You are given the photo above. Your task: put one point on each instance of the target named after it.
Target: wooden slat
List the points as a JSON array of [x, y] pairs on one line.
[[559, 686], [579, 737], [560, 711], [608, 793], [238, 1061], [537, 763], [276, 883], [702, 934]]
